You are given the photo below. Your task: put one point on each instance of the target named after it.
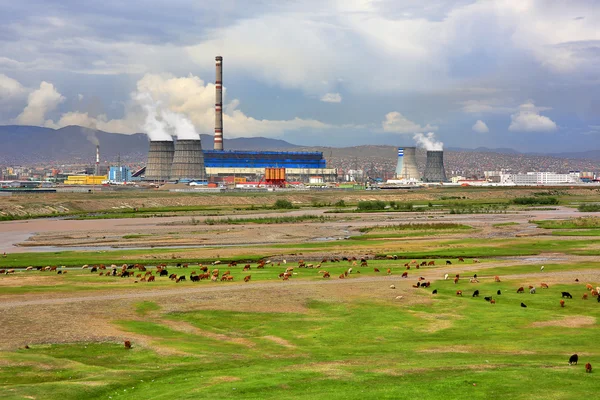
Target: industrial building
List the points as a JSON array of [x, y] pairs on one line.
[[185, 160], [86, 179], [434, 167]]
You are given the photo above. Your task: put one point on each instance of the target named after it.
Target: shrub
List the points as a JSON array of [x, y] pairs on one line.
[[283, 204]]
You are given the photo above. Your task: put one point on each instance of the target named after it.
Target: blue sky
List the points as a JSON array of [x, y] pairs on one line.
[[516, 73]]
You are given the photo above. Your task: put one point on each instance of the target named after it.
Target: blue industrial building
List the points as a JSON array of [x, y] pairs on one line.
[[263, 159], [119, 174]]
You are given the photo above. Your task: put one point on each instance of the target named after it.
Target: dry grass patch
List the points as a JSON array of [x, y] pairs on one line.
[[574, 321]]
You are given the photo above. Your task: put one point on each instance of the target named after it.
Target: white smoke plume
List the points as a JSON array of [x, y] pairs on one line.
[[428, 141], [182, 126], [153, 127]]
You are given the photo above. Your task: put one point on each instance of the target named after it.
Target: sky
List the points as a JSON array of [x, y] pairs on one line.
[[521, 74]]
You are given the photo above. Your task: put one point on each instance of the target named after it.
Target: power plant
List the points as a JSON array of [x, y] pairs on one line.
[[185, 160], [188, 161], [434, 167], [160, 159], [407, 164]]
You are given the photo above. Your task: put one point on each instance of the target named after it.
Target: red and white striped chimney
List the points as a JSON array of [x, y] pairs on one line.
[[219, 104]]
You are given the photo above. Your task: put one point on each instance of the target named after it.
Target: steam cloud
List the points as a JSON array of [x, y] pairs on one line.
[[159, 122], [429, 142]]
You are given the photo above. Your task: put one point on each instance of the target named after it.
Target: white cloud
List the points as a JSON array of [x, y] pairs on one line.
[[331, 98], [495, 106], [480, 127], [10, 89], [528, 119], [398, 123], [39, 103]]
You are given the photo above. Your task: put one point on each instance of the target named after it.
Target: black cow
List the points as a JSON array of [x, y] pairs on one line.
[[434, 291], [499, 292], [448, 262], [488, 298], [523, 305], [164, 272], [125, 274], [573, 359], [567, 295], [195, 278], [94, 269], [476, 293]]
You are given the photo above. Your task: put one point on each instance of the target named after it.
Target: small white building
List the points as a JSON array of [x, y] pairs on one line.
[[540, 178]]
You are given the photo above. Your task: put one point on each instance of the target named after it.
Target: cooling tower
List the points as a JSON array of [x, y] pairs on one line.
[[219, 103], [408, 164], [160, 158], [188, 161], [400, 163], [434, 167]]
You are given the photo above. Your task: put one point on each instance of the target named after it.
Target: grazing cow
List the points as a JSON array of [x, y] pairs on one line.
[[562, 303], [521, 290], [488, 298], [496, 279], [492, 301], [598, 299], [405, 274], [375, 270], [476, 260], [363, 263], [164, 272], [542, 268], [57, 272], [389, 271], [584, 296], [181, 278], [455, 281], [576, 280], [2, 271], [474, 280], [476, 293], [204, 269], [460, 259], [589, 287], [588, 368], [530, 287], [594, 293], [229, 277], [424, 263], [499, 292], [448, 262], [326, 275], [567, 295], [94, 269], [247, 278], [173, 277], [544, 285], [573, 359], [523, 305], [434, 291], [446, 277], [223, 278], [151, 278], [127, 344], [213, 278], [195, 278], [349, 270], [459, 292], [246, 267], [342, 276], [532, 291], [430, 263]]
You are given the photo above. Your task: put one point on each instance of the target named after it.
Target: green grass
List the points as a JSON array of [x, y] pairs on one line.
[[573, 223], [505, 224], [451, 347], [146, 307], [434, 226]]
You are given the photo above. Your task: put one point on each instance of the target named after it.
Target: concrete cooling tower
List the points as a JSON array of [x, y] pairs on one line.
[[188, 161], [407, 164], [434, 167], [160, 158]]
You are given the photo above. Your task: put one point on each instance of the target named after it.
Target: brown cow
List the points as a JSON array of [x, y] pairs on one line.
[[588, 367], [562, 303], [492, 301], [326, 275], [127, 344], [405, 274], [584, 296], [521, 290], [589, 287], [496, 278], [375, 270], [544, 285], [246, 267], [459, 292], [460, 259], [430, 263], [594, 293], [151, 278], [247, 278], [342, 276], [389, 271], [455, 280]]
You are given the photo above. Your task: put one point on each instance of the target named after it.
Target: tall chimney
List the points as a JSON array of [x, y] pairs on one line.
[[219, 104], [97, 170]]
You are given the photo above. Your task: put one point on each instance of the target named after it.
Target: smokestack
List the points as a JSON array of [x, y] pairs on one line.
[[97, 170], [434, 167], [219, 104], [188, 161], [398, 174], [160, 159], [408, 165]]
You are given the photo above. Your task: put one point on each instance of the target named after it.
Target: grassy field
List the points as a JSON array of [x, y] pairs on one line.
[[458, 346], [311, 337]]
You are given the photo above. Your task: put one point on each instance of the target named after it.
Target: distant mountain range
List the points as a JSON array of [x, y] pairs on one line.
[[30, 145]]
